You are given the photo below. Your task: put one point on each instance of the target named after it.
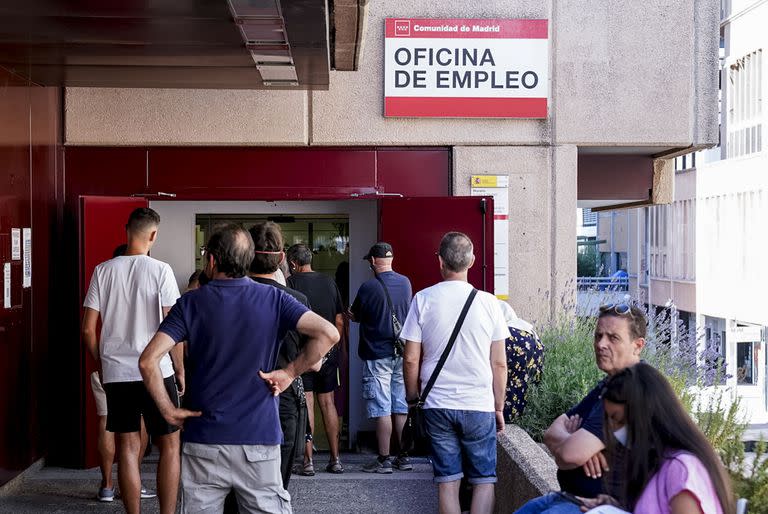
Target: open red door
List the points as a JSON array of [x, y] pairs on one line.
[[414, 227], [102, 229]]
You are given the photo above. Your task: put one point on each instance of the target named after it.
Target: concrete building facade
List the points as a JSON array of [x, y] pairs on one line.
[[631, 85]]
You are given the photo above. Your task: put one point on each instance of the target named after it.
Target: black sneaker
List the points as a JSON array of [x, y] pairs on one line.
[[403, 463], [376, 466]]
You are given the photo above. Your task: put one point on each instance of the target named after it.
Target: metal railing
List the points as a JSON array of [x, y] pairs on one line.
[[602, 283]]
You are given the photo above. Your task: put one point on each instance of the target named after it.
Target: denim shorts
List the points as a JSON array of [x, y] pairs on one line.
[[463, 443], [384, 387]]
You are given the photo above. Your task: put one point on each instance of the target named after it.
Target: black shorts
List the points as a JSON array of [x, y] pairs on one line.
[[327, 379], [127, 402]]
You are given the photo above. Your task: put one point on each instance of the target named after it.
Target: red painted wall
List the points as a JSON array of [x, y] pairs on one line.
[[203, 173], [29, 150]]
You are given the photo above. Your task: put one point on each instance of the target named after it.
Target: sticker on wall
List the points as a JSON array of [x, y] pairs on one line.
[[27, 244], [16, 244], [497, 186], [7, 285]]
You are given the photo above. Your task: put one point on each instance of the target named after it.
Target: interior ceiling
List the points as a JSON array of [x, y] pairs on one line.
[[220, 44]]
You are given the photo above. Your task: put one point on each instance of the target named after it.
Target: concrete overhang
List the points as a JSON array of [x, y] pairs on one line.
[[625, 177], [218, 44]]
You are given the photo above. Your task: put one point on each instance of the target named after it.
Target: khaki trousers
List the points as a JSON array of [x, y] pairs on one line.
[[210, 471]]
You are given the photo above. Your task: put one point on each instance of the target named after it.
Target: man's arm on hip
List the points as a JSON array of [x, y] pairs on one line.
[[321, 337], [177, 357], [149, 365]]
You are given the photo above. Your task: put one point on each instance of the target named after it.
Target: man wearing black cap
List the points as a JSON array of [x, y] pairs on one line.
[[380, 308]]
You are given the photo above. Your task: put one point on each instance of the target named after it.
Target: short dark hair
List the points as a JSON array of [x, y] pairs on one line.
[[300, 254], [638, 326], [456, 251], [232, 250], [267, 237], [142, 220]]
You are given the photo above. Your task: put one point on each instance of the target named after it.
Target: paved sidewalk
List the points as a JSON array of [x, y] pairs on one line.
[[67, 491]]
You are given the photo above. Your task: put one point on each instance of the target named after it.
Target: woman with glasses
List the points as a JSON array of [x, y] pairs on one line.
[[670, 467]]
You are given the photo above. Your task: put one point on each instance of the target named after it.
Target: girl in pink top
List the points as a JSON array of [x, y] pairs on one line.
[[670, 467]]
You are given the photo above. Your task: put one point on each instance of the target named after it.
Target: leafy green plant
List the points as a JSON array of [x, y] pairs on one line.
[[569, 373], [719, 419], [587, 261]]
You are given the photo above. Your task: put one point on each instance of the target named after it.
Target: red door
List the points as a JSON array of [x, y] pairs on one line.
[[102, 230], [414, 227]]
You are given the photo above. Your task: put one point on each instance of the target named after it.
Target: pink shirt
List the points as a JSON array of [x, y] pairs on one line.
[[682, 471]]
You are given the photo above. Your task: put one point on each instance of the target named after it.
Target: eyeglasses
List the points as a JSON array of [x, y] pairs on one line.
[[622, 309]]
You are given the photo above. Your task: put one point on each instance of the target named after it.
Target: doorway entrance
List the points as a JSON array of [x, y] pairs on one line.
[[327, 235]]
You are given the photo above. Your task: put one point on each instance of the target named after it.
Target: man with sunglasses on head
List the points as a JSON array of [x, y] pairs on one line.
[[575, 438]]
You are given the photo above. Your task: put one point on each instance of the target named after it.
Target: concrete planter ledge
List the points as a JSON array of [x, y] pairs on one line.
[[524, 470]]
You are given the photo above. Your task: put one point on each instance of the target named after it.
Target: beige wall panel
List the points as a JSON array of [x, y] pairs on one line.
[[683, 294], [107, 116], [619, 79], [685, 185], [542, 229], [621, 231], [352, 110], [661, 291], [563, 199]]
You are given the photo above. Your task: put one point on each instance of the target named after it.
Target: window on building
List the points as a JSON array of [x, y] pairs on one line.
[[745, 105], [746, 371], [588, 218]]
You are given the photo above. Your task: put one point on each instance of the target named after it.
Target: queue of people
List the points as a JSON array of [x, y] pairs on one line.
[[240, 359]]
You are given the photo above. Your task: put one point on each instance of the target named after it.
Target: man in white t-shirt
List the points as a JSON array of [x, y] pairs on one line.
[[131, 294], [464, 409]]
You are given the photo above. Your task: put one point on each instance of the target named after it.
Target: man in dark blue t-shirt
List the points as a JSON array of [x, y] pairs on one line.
[[232, 328], [381, 352], [576, 438]]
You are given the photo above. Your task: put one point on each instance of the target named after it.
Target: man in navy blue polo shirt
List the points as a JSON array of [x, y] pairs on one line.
[[383, 385], [232, 328]]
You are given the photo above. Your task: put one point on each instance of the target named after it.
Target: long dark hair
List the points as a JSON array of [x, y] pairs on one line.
[[658, 424]]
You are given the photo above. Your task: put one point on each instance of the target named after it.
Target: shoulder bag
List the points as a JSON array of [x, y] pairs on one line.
[[414, 431], [397, 327]]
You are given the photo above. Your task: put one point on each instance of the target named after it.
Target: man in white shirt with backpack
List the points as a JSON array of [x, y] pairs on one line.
[[463, 410]]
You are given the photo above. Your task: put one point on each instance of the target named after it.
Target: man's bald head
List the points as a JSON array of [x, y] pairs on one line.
[[232, 249]]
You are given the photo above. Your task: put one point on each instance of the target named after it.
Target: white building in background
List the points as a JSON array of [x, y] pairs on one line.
[[732, 210], [705, 256]]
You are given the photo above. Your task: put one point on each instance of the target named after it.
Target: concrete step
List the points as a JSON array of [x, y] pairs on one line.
[[64, 490]]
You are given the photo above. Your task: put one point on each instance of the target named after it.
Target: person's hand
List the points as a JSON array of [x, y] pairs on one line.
[[573, 423], [499, 421], [180, 383], [177, 416], [602, 499], [595, 465], [277, 381]]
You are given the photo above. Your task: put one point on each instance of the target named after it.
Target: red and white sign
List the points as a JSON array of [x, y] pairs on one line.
[[466, 68]]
